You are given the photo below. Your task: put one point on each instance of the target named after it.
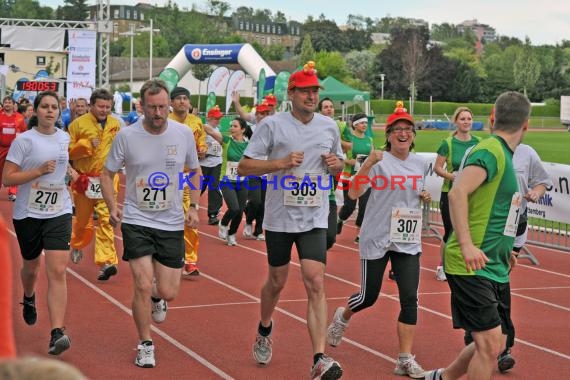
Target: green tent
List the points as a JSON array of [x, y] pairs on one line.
[[340, 92]]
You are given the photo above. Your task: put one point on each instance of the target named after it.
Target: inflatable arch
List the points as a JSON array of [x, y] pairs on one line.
[[243, 54]]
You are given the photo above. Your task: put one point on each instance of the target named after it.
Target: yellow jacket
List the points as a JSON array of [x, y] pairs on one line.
[[195, 123], [82, 130]]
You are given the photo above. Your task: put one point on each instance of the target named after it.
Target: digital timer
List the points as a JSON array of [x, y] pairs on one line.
[[37, 86]]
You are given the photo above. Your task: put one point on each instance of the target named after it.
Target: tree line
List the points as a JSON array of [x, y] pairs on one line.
[[440, 62]]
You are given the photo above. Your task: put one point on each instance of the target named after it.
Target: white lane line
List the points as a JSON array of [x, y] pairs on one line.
[[541, 301], [394, 298], [155, 329]]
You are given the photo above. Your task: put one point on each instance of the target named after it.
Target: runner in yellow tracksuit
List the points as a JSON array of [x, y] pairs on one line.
[[181, 106], [91, 136]]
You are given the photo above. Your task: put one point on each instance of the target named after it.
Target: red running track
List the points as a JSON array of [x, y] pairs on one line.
[[210, 328]]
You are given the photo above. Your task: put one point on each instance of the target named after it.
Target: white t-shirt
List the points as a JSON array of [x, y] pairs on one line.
[[375, 231], [161, 157], [277, 136], [530, 171], [214, 154], [30, 150]]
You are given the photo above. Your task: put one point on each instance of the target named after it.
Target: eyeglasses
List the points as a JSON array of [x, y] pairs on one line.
[[404, 130]]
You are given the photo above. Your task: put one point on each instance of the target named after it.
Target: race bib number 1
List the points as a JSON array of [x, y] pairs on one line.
[[153, 199], [46, 198], [231, 170], [406, 225], [94, 189], [513, 218]]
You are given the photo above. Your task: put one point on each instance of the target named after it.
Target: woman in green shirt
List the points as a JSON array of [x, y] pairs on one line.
[[361, 147], [450, 153], [232, 186]]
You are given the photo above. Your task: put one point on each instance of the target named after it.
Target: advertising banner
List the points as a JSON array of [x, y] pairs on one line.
[[82, 63], [218, 81], [234, 83]]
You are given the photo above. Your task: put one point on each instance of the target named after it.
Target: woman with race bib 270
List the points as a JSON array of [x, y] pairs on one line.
[[38, 163]]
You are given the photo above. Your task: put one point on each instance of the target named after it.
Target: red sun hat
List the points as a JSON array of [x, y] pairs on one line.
[[271, 100], [307, 77], [400, 113], [262, 107], [214, 113]]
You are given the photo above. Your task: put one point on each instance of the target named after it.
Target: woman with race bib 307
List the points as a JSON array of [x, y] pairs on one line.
[[391, 230]]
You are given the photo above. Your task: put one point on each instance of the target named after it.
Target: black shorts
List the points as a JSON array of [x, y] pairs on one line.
[[35, 235], [476, 302], [166, 247], [311, 245]]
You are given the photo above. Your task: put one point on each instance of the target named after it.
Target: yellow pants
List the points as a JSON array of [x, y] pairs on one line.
[[82, 229], [191, 239]]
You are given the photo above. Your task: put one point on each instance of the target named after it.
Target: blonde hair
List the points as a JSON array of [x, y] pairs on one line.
[[456, 115]]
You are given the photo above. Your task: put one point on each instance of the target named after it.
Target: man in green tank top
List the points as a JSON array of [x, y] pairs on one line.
[[484, 203]]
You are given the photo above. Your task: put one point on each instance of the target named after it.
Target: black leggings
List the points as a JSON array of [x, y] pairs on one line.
[[407, 271], [350, 204], [445, 216], [235, 195], [255, 208]]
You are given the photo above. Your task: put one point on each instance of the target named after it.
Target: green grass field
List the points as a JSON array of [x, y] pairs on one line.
[[551, 146]]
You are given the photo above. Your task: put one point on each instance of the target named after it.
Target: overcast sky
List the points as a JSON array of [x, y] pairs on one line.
[[544, 22]]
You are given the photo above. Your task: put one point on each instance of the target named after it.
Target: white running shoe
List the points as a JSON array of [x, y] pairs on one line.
[[222, 231], [336, 328], [232, 240], [159, 311], [248, 231], [145, 356], [409, 367], [262, 350], [260, 237], [440, 274]]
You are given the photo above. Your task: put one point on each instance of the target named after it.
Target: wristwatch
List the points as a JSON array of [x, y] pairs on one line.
[[195, 205]]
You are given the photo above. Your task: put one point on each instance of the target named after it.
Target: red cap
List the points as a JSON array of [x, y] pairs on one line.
[[400, 113], [262, 107], [271, 100], [307, 77], [214, 113]]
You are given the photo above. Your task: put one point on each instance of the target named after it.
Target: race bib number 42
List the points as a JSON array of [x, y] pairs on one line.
[[46, 198], [406, 225], [93, 191], [153, 198]]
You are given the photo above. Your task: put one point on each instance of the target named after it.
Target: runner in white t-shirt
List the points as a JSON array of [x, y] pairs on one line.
[[38, 162], [302, 148], [391, 230], [155, 151]]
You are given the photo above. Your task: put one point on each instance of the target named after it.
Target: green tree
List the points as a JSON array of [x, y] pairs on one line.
[[358, 39], [325, 35], [201, 72], [218, 7], [331, 64], [245, 13], [359, 64], [526, 68], [280, 17], [30, 9], [307, 51], [73, 10], [262, 15]]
